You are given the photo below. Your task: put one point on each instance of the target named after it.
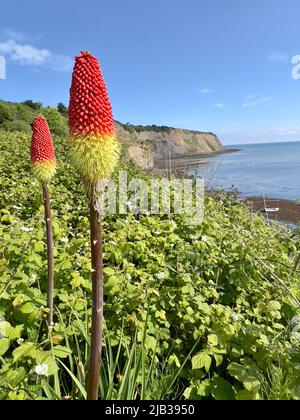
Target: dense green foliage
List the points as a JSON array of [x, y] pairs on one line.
[[211, 304], [19, 117], [141, 128]]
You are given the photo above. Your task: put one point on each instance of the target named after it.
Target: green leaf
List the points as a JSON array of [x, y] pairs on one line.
[[252, 384], [213, 340], [5, 329], [274, 305], [238, 371], [204, 307], [27, 349], [28, 308], [173, 359], [109, 271], [16, 332], [245, 395], [39, 247], [65, 265], [218, 359], [14, 377], [4, 345], [204, 389], [61, 352], [201, 360], [222, 389]]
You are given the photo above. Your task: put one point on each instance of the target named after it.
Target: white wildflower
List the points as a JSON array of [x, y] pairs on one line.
[[235, 317], [33, 278], [204, 239], [160, 275], [26, 229], [20, 341], [42, 370], [65, 240]]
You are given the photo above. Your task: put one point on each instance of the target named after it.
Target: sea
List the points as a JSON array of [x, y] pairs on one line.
[[264, 169]]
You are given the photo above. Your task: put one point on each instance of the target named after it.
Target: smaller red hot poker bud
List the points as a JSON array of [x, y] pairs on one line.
[[42, 150]]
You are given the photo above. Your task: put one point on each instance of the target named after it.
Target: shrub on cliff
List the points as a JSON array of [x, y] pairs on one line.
[[57, 124], [5, 114]]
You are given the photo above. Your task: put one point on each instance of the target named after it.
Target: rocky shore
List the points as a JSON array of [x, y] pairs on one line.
[[289, 211]]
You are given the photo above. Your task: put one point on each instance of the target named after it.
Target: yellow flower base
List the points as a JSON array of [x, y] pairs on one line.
[[44, 171], [95, 157]]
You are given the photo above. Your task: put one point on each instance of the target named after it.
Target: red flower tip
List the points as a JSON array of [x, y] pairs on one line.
[[90, 111], [42, 149]]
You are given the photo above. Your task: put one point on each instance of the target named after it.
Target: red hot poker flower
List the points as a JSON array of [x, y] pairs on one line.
[[42, 150], [92, 135]]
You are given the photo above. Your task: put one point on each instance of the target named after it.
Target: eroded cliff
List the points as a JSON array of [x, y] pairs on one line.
[[146, 145]]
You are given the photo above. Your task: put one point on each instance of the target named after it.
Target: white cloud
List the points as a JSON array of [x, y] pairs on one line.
[[278, 56], [205, 91], [220, 105], [253, 101], [28, 55], [24, 54]]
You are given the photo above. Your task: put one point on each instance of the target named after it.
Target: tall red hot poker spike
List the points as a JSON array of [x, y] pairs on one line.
[[95, 152]]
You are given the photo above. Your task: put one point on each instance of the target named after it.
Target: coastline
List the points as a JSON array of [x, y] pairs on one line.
[[178, 165]]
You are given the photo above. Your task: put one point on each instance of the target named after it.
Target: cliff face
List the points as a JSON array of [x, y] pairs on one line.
[[146, 145]]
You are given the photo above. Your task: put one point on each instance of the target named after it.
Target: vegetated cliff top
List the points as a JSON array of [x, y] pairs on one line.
[[157, 128]]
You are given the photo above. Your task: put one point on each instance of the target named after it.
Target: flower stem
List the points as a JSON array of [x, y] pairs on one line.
[[97, 309], [50, 246]]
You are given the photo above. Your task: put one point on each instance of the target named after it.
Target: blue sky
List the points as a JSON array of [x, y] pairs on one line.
[[211, 65]]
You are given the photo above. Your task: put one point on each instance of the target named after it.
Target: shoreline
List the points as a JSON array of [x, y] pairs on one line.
[[289, 210], [200, 155], [182, 163]]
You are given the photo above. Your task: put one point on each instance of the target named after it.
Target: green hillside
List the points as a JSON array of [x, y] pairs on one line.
[[19, 117]]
